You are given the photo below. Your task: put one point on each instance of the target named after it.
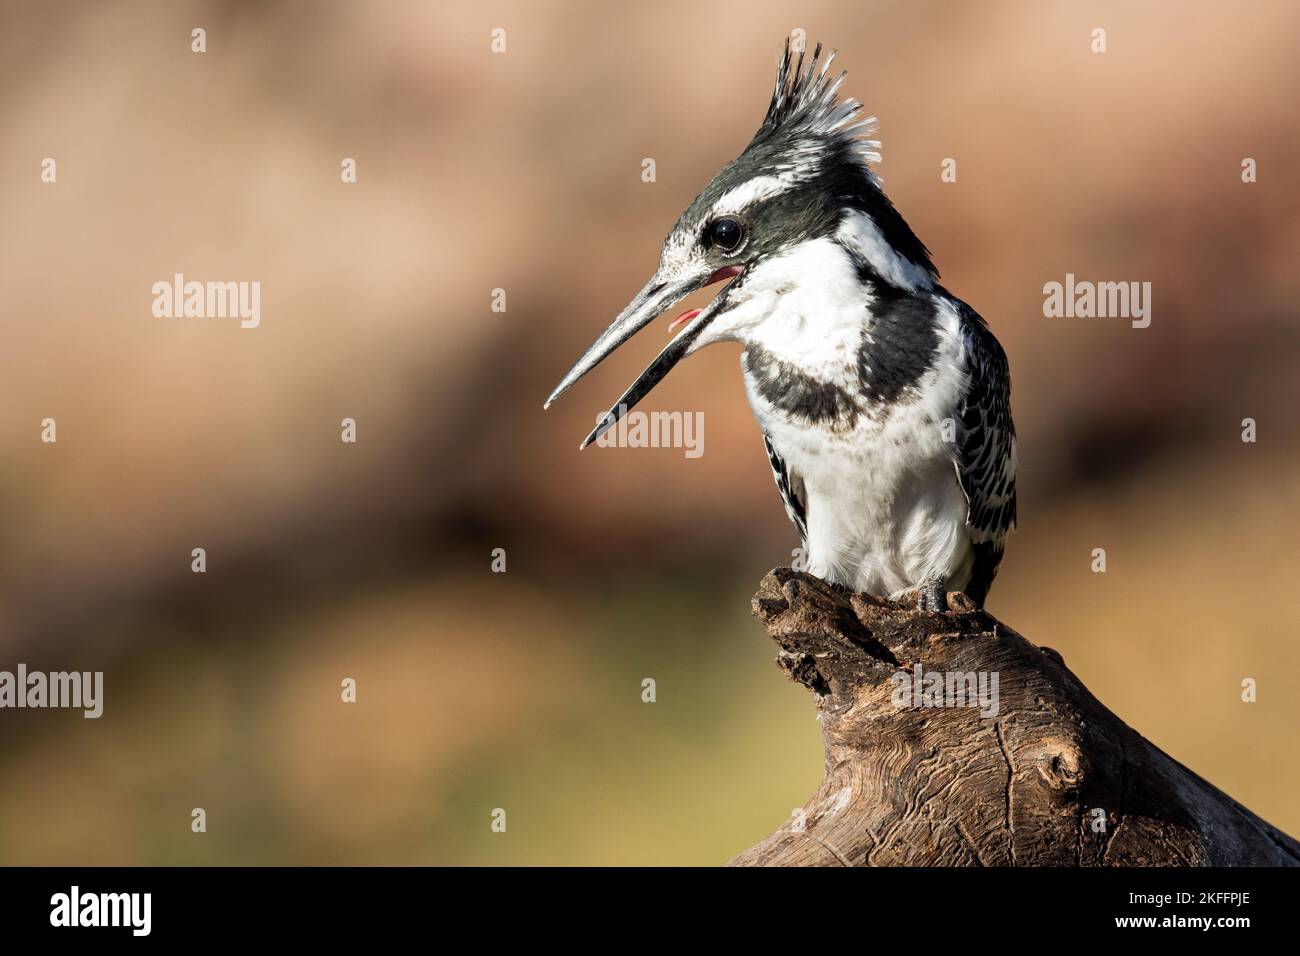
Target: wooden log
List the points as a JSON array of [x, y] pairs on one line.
[[1040, 774]]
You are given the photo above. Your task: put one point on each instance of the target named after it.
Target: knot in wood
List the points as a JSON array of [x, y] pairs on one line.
[[1061, 763]]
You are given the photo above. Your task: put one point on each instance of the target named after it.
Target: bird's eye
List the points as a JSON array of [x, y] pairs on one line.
[[725, 233]]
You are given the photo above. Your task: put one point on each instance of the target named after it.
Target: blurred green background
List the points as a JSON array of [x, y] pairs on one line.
[[522, 171]]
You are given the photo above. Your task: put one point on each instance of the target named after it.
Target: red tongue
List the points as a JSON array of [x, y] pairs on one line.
[[683, 318], [726, 272]]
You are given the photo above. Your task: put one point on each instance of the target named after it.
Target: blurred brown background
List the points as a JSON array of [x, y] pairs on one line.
[[522, 171]]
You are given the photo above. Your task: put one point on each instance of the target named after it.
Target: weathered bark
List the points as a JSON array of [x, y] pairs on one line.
[[945, 786]]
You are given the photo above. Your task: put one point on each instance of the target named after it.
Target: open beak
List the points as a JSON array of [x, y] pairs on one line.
[[656, 298]]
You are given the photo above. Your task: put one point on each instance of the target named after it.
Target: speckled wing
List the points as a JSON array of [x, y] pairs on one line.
[[986, 450], [791, 491]]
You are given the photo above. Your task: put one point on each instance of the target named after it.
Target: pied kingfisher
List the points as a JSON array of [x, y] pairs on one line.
[[883, 400]]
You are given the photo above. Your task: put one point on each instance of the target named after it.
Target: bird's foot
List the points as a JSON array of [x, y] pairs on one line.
[[932, 596]]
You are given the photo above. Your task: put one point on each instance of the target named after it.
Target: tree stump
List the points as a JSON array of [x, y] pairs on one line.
[[1045, 776]]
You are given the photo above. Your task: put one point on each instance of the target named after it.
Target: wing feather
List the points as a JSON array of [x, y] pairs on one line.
[[986, 450], [791, 490]]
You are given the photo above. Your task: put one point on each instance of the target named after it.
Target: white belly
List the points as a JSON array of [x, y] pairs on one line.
[[883, 506], [884, 509]]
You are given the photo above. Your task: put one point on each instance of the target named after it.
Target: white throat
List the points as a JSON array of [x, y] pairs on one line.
[[805, 305]]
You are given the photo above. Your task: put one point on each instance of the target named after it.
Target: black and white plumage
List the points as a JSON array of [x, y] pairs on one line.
[[883, 400]]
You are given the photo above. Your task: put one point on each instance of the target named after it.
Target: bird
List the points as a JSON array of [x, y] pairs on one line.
[[883, 400]]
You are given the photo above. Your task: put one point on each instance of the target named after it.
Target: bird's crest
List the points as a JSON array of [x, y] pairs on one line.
[[806, 111]]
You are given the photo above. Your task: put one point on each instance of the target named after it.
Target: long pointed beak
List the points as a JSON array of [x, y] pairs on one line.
[[656, 298], [663, 364]]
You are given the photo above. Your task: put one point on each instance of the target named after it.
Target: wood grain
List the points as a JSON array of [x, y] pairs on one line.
[[1052, 779]]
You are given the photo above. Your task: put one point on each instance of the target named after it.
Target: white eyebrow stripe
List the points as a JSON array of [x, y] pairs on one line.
[[747, 193], [859, 232]]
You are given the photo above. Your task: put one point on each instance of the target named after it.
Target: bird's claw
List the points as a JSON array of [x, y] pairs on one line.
[[932, 596]]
